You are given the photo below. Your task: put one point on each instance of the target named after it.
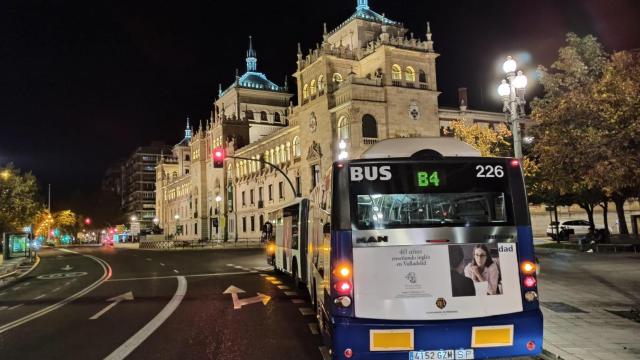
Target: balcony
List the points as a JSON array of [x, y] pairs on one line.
[[369, 141]]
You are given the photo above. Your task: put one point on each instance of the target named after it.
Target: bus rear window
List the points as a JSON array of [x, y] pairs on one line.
[[388, 211]]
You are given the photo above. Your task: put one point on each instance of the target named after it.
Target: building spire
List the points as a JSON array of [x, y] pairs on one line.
[[187, 130], [219, 90], [363, 5], [252, 61]]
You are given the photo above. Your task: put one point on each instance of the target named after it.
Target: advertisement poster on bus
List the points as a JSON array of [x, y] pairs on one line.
[[431, 282]]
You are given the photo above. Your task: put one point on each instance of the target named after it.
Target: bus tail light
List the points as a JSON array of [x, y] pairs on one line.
[[343, 301], [531, 345], [343, 287], [348, 353], [528, 268], [529, 281], [515, 162], [343, 271]]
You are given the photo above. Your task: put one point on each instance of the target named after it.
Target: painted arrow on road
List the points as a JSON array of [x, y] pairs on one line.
[[116, 300], [239, 303], [66, 268]]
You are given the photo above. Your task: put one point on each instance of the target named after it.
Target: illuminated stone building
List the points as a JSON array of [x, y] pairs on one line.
[[368, 79]]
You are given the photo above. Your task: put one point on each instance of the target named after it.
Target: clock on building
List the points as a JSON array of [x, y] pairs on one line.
[[313, 122]]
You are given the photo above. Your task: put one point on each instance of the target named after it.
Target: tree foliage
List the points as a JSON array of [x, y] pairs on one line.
[[18, 199], [587, 125]]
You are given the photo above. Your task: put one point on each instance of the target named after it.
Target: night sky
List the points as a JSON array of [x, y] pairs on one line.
[[84, 83]]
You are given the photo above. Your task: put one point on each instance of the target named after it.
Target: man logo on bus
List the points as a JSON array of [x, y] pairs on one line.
[[441, 303], [371, 173]]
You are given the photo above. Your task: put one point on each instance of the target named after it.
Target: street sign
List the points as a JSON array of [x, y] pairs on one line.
[[135, 228]]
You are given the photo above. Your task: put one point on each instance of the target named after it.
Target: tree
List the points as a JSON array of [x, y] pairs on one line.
[[567, 132], [587, 125], [18, 199], [490, 142]]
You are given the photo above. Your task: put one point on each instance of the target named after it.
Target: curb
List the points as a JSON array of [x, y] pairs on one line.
[[35, 264], [548, 355]]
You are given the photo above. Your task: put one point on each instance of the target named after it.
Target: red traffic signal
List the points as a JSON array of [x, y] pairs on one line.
[[87, 221], [218, 158]]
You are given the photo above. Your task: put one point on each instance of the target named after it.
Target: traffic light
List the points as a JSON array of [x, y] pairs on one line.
[[218, 158]]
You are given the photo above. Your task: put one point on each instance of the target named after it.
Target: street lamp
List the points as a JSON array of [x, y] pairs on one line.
[[218, 214], [343, 155], [177, 218], [134, 218], [512, 92]]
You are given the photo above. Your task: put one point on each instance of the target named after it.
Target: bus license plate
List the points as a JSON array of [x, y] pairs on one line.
[[461, 354]]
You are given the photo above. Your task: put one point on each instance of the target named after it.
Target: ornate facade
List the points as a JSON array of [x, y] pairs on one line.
[[366, 81]]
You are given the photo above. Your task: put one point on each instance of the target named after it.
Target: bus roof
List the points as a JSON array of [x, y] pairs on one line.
[[406, 147]]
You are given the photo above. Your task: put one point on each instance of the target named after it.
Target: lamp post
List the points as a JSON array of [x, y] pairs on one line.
[[177, 218], [512, 92], [218, 215]]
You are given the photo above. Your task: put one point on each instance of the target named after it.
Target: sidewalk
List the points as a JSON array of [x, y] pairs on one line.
[[580, 294], [15, 268]]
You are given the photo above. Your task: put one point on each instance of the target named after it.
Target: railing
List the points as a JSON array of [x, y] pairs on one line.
[[168, 243], [370, 141]]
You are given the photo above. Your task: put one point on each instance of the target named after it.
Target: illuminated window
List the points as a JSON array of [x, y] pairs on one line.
[[343, 128], [321, 83], [305, 92], [283, 157], [337, 78], [266, 156], [273, 157], [396, 72], [288, 151], [297, 152], [410, 74], [277, 154], [313, 88]]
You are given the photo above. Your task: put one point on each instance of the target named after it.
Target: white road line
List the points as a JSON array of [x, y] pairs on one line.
[[264, 275], [105, 276], [125, 349], [238, 267], [313, 327], [306, 311], [276, 282], [175, 271], [253, 271], [161, 264], [298, 301], [148, 259], [230, 265], [290, 293], [55, 290], [2, 293], [67, 283], [174, 276], [39, 297], [15, 306], [283, 287]]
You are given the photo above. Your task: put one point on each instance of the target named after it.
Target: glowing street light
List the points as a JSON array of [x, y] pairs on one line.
[[512, 92]]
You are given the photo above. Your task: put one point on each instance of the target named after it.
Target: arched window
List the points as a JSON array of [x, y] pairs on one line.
[[276, 117], [305, 92], [313, 88], [272, 156], [266, 156], [248, 114], [187, 157], [422, 77], [297, 152], [369, 127], [263, 115], [321, 83], [409, 74], [396, 72], [337, 78], [343, 128]]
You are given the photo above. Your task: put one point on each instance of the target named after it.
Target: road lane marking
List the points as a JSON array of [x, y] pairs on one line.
[[271, 278], [148, 259], [55, 290], [107, 272], [291, 293], [306, 311], [2, 293], [39, 297], [174, 276], [175, 271], [298, 301], [313, 327], [125, 349], [230, 265], [283, 287], [276, 282], [239, 303], [67, 283], [161, 264], [15, 306], [114, 301], [264, 275]]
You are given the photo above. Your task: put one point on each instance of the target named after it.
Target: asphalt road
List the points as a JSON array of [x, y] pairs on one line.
[[97, 303]]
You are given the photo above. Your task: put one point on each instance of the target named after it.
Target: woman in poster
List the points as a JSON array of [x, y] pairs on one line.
[[483, 269]]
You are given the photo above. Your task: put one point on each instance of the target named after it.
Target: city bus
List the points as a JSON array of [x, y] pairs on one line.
[[287, 251], [420, 249]]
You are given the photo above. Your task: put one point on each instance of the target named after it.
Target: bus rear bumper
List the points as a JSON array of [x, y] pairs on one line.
[[356, 334]]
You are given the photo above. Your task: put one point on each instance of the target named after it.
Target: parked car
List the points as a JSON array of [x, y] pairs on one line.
[[567, 228]]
